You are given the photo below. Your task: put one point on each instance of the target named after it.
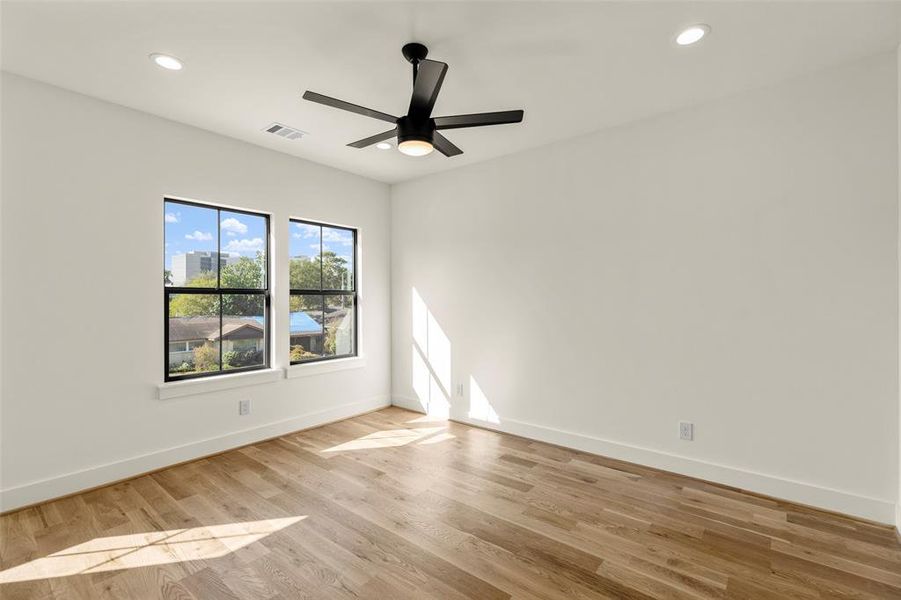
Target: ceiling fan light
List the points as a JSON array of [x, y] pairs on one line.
[[415, 147]]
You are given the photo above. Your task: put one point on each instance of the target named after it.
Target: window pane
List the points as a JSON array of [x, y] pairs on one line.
[[304, 252], [193, 323], [243, 256], [191, 246], [339, 325], [243, 331], [306, 327], [337, 258]]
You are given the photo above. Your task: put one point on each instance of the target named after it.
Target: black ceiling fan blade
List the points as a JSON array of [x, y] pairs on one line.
[[479, 120], [429, 77], [360, 110], [444, 145], [374, 139]]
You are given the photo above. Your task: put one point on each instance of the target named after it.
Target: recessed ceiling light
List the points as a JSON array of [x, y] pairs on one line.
[[692, 35], [383, 146], [166, 61]]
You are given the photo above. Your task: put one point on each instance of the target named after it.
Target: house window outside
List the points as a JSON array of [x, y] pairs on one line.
[[215, 290], [323, 280]]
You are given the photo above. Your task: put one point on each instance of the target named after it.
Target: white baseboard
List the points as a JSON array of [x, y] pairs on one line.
[[54, 487], [874, 509]]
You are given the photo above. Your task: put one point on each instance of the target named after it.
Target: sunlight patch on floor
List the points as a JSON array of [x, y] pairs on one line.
[[435, 439], [427, 419], [147, 549], [390, 438]]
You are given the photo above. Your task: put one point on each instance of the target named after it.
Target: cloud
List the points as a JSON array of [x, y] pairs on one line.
[[245, 246], [171, 218], [335, 237], [199, 236], [306, 231], [232, 227]]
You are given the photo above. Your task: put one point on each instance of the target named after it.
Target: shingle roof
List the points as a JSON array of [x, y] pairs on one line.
[[182, 329]]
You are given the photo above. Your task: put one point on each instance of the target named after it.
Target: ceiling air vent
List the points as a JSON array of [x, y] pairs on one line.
[[289, 133]]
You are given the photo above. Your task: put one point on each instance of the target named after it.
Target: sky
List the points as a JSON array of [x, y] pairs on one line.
[[305, 241], [194, 228]]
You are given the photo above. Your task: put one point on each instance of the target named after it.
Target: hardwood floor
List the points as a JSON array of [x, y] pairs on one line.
[[392, 505]]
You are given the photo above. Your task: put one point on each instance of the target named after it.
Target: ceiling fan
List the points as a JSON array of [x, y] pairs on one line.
[[417, 132]]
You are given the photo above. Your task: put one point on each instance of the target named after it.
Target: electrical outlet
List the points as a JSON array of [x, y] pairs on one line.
[[460, 389], [243, 407], [686, 430]]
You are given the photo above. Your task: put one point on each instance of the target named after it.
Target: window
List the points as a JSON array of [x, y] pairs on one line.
[[215, 290], [323, 281]]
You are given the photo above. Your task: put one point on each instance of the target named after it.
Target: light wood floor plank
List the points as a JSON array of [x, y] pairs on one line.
[[393, 504]]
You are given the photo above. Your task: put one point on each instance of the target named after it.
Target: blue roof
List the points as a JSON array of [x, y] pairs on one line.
[[301, 322]]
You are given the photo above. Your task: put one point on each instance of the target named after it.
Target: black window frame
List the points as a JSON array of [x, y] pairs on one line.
[[169, 290], [353, 293]]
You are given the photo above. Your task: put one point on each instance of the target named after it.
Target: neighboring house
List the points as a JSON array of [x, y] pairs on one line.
[[239, 334], [306, 332]]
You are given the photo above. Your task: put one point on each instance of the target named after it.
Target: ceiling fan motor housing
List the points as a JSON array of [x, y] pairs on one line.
[[420, 130]]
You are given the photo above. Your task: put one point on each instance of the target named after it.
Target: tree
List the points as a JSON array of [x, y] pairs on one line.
[[335, 274], [305, 274], [243, 273], [196, 305], [167, 277]]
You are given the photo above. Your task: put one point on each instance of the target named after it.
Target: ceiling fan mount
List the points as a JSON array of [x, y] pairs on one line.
[[414, 52], [417, 132]]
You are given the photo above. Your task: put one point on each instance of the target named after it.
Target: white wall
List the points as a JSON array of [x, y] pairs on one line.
[[898, 95], [82, 251], [733, 265]]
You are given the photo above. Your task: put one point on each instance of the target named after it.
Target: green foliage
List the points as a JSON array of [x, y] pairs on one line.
[[335, 273], [167, 277], [244, 273], [300, 353], [331, 335], [307, 304]]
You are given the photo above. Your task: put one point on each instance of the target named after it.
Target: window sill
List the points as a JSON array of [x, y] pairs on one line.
[[176, 389], [325, 366]]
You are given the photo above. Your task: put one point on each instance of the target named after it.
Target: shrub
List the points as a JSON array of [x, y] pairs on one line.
[[206, 357], [300, 353]]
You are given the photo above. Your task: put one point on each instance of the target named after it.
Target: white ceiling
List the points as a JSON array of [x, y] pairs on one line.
[[573, 67]]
